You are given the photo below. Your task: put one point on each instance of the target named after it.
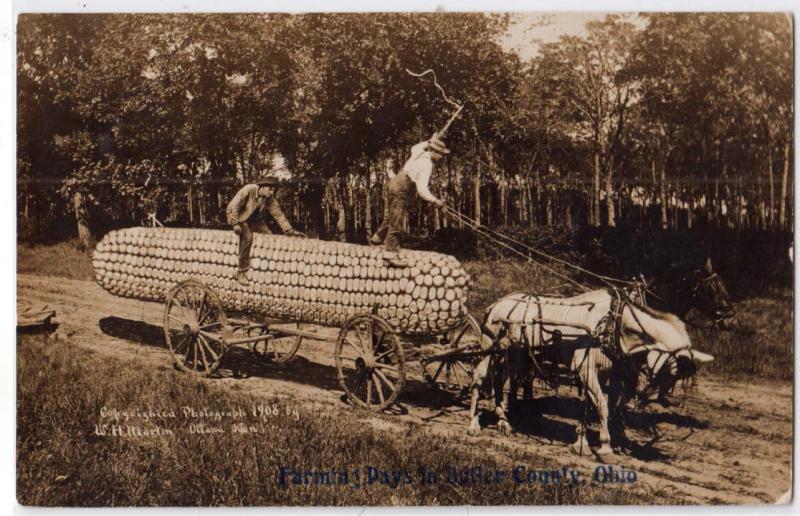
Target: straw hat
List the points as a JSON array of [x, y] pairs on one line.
[[270, 181]]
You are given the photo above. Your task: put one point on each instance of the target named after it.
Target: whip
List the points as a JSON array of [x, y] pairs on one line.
[[447, 99]]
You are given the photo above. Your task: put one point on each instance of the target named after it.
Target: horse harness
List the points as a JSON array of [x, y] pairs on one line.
[[606, 335]]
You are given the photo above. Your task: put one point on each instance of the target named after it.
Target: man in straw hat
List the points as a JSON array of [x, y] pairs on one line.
[[412, 178], [242, 215]]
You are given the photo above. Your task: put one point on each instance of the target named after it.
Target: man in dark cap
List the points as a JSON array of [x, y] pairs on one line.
[[412, 179], [243, 212]]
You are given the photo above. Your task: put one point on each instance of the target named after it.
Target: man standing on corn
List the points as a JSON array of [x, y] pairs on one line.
[[243, 215], [412, 178]]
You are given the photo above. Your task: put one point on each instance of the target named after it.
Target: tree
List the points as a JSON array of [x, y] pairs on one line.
[[585, 72]]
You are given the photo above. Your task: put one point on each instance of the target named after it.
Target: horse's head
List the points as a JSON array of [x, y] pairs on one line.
[[708, 294], [684, 287], [661, 372], [659, 347]]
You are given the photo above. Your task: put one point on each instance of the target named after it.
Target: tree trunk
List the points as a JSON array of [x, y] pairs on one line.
[[525, 196], [568, 213], [368, 210], [341, 221], [190, 202], [596, 190], [476, 192], [771, 175], [611, 216], [201, 206], [690, 211], [784, 186], [81, 218]]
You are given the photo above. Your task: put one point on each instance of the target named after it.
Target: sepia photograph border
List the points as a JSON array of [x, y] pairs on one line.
[[8, 22]]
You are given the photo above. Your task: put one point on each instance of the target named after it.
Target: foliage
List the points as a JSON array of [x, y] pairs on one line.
[[169, 113]]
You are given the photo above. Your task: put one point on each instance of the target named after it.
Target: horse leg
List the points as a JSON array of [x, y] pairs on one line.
[[478, 377], [501, 396], [598, 397], [581, 445], [617, 400], [527, 376]]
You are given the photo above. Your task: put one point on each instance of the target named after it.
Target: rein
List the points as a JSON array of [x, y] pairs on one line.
[[617, 354]]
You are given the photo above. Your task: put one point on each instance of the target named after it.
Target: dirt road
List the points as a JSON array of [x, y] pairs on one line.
[[728, 443]]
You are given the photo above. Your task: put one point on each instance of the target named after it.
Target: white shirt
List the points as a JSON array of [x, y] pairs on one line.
[[419, 167]]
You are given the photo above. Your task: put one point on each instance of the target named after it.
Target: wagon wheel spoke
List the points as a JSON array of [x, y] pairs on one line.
[[386, 367], [359, 351], [204, 310], [463, 368], [379, 388], [369, 390], [455, 341], [181, 309], [364, 345], [384, 354], [201, 346], [180, 321], [209, 347], [385, 380], [184, 341], [378, 344], [194, 356], [213, 337], [192, 297], [438, 371]]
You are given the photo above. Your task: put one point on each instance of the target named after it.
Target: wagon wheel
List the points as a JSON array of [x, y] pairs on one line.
[[370, 363], [195, 328], [454, 374], [277, 350]]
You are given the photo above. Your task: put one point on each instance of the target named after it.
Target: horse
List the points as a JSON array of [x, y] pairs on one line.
[[683, 288], [607, 334]]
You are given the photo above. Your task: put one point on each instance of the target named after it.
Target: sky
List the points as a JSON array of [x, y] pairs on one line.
[[529, 30]]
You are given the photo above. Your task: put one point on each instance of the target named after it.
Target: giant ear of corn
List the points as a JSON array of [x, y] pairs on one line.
[[290, 278]]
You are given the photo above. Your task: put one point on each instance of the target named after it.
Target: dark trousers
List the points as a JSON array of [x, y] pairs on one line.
[[246, 241], [392, 227]]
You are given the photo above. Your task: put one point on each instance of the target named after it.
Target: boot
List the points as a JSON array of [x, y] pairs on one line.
[[394, 260], [375, 241], [241, 277]]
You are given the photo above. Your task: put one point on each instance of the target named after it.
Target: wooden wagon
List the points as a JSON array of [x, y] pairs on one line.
[[206, 313]]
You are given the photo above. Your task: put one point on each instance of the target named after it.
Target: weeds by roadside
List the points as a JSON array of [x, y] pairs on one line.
[[65, 259], [64, 391]]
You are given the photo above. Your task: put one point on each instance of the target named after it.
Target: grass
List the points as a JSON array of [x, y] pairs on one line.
[[65, 259], [764, 348], [64, 391]]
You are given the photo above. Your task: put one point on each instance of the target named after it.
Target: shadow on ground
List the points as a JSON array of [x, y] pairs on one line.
[[239, 362], [540, 417]]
